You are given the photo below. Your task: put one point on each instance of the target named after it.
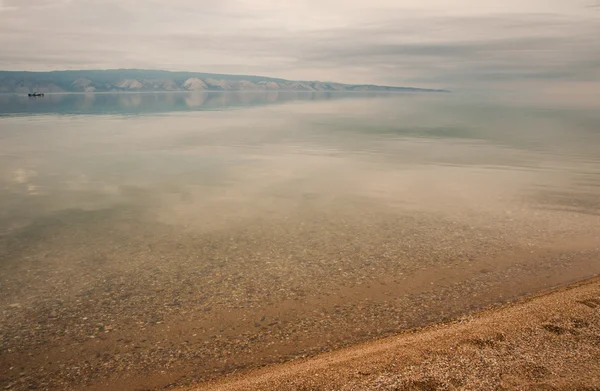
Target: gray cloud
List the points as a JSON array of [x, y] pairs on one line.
[[429, 42]]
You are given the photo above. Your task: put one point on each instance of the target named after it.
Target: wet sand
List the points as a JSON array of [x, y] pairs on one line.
[[546, 342]]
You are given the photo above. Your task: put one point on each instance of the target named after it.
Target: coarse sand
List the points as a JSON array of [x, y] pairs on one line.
[[545, 342]]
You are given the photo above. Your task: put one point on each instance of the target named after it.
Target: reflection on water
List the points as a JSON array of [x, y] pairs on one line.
[[147, 103], [205, 241]]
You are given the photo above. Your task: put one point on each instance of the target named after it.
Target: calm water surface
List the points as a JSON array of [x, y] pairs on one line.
[[155, 239]]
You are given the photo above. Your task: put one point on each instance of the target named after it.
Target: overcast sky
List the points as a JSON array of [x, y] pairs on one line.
[[439, 43]]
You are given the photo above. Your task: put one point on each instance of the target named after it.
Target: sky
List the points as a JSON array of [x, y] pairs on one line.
[[429, 43]]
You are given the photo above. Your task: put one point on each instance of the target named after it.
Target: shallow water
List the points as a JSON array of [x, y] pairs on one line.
[[154, 239]]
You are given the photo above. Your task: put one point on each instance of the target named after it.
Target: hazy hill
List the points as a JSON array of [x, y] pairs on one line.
[[115, 80]]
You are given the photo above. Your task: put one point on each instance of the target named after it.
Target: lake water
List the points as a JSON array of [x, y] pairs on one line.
[[149, 240]]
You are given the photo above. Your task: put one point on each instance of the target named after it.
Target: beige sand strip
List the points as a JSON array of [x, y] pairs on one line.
[[547, 342]]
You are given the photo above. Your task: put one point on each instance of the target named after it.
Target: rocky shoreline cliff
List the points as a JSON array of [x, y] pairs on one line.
[[133, 80]]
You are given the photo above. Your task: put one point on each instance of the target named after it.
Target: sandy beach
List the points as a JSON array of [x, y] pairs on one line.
[[546, 342]]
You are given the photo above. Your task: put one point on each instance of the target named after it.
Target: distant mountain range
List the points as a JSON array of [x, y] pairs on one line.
[[130, 80]]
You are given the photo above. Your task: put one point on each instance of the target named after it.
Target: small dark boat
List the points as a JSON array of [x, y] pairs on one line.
[[35, 95]]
